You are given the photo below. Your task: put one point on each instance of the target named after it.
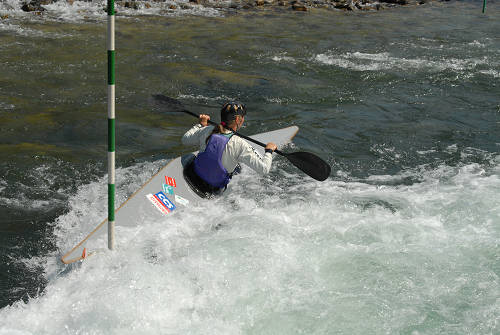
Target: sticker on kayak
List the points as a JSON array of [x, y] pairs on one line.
[[161, 202], [181, 200], [167, 189], [170, 181]]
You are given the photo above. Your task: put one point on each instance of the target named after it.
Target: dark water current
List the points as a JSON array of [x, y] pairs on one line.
[[380, 93]]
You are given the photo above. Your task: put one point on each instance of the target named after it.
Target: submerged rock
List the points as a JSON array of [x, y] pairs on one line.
[[296, 5], [396, 2], [346, 5], [36, 5], [131, 4], [299, 6]]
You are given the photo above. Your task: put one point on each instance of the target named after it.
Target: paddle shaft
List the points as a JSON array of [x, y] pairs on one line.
[[238, 134], [307, 162]]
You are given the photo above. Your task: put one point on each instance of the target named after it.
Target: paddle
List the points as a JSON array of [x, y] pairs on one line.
[[307, 162]]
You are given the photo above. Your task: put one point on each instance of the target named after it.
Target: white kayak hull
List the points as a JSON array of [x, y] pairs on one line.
[[149, 201]]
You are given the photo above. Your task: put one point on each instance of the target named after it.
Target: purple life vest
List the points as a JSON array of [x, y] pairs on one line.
[[208, 164]]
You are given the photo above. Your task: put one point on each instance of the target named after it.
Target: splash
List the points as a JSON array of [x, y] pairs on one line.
[[384, 61], [94, 10], [284, 254]]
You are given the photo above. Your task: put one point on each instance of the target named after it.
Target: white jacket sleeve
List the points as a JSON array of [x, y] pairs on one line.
[[237, 150], [197, 135], [250, 157]]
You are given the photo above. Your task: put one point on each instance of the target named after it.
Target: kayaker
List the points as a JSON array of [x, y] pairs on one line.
[[221, 152]]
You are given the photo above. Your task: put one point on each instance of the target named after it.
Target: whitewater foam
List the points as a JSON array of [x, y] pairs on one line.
[[384, 61], [199, 97], [20, 30], [280, 254], [282, 57], [94, 10]]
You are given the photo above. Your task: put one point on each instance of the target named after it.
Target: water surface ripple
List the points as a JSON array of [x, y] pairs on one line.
[[403, 238]]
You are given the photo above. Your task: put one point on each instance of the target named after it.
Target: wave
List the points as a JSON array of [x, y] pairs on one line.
[[359, 61], [91, 11], [20, 30], [440, 45], [493, 73], [199, 97], [282, 247]]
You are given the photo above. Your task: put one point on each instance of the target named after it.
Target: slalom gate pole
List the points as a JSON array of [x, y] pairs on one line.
[[111, 123]]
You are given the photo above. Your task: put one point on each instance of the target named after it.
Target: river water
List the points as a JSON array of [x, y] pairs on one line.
[[403, 238]]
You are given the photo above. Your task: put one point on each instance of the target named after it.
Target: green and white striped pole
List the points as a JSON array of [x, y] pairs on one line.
[[111, 124]]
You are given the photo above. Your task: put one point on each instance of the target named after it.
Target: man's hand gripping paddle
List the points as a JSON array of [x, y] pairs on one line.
[[307, 162]]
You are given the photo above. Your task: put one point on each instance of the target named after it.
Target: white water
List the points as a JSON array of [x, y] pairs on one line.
[[91, 11], [434, 59], [384, 61], [291, 256]]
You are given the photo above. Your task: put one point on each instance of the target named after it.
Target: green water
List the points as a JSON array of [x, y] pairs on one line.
[[402, 239]]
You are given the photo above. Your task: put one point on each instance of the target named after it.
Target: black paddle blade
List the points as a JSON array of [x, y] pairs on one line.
[[310, 164]]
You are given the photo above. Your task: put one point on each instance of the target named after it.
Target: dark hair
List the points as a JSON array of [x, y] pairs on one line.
[[228, 113], [218, 129]]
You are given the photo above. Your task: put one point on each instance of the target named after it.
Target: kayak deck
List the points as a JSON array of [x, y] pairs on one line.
[[162, 193]]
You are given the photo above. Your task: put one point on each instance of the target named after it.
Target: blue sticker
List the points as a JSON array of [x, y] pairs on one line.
[[169, 205], [168, 189]]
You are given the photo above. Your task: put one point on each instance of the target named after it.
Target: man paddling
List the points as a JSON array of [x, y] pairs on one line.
[[221, 152]]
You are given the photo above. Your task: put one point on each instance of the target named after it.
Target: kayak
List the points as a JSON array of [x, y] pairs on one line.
[[163, 193]]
